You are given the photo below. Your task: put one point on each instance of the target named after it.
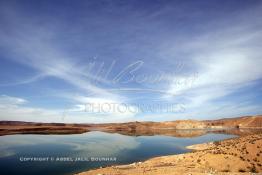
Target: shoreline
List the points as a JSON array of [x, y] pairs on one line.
[[240, 155], [44, 130], [173, 128]]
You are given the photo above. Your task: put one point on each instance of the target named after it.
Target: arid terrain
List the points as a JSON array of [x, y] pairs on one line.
[[233, 156], [171, 128], [240, 155], [10, 127]]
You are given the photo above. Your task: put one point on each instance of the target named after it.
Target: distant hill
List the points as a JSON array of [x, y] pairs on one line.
[[132, 128], [239, 122]]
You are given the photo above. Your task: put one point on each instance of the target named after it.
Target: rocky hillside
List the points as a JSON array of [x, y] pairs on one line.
[[132, 128], [138, 126], [240, 122]]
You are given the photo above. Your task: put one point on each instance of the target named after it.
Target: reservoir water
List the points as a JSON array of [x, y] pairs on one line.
[[69, 154]]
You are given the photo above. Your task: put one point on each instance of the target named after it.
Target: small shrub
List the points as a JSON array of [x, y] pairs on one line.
[[241, 170], [253, 169], [216, 143]]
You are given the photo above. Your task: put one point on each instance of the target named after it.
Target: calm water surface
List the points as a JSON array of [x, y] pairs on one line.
[[126, 149]]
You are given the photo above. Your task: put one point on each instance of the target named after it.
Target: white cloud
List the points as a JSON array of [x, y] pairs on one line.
[[15, 109], [34, 49], [226, 60], [31, 46], [102, 108], [7, 100]]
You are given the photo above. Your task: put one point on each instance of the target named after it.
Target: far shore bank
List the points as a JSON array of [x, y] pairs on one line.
[[173, 128]]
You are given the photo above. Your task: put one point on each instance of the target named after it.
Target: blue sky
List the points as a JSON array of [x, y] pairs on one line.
[[134, 58]]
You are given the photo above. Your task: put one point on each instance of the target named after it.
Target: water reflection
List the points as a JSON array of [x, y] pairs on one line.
[[126, 147], [93, 143], [190, 133]]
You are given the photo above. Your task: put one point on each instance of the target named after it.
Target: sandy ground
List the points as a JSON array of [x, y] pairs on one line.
[[233, 156]]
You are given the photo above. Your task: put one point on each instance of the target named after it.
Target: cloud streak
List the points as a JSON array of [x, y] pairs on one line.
[[220, 52]]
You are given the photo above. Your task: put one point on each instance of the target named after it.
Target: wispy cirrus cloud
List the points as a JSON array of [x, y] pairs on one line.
[[30, 46], [103, 110], [226, 61], [219, 51], [15, 108]]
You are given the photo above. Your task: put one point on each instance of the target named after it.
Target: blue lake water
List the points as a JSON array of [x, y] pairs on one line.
[[16, 149]]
